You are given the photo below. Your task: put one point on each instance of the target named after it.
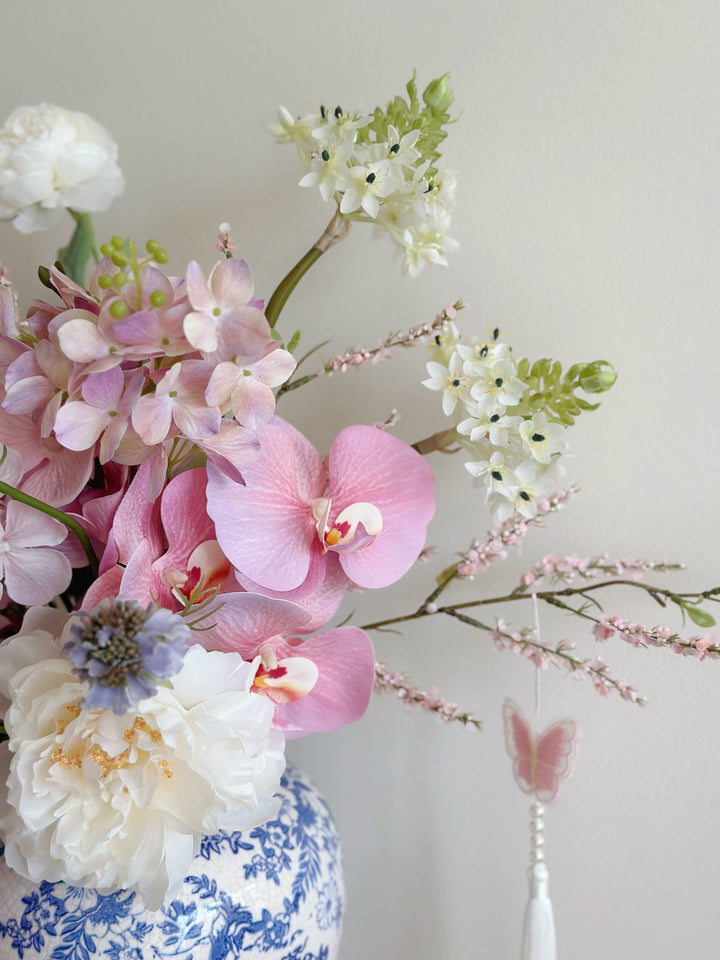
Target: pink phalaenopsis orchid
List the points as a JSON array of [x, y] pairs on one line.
[[370, 507], [169, 554]]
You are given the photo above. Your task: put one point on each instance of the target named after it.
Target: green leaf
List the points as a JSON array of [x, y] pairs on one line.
[[700, 617], [293, 342]]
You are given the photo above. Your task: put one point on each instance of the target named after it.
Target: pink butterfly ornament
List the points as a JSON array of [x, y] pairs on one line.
[[540, 764]]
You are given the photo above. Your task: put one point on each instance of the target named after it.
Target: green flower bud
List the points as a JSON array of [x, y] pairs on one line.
[[597, 377], [438, 96], [157, 298], [118, 309], [104, 281], [117, 242]]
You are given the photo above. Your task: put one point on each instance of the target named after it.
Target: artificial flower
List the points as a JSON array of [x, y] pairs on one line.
[[52, 159], [279, 527], [108, 801]]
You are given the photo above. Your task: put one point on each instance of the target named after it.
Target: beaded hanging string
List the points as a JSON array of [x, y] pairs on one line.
[[540, 763]]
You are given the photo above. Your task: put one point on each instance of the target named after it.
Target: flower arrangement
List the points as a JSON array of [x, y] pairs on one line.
[[174, 551]]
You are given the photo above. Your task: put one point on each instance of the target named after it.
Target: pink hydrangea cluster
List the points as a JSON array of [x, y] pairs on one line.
[[143, 409]]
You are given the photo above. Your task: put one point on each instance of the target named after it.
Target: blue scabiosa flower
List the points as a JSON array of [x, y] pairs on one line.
[[123, 650]]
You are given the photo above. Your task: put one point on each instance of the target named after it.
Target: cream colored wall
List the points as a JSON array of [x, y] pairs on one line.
[[589, 223]]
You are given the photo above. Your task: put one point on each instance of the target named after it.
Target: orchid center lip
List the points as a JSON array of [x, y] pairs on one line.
[[355, 527]]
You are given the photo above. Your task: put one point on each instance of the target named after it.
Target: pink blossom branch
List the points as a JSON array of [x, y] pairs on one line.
[[510, 533], [638, 635], [356, 356], [387, 681], [567, 569], [525, 643]]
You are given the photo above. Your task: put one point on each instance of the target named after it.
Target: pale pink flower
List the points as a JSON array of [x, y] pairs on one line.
[[179, 398], [32, 571], [108, 400], [226, 321], [50, 472], [371, 508], [247, 387]]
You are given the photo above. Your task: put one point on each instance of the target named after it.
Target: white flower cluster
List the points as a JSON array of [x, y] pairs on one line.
[[386, 181], [516, 452], [52, 159]]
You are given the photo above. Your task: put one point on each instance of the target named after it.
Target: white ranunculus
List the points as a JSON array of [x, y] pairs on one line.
[[51, 159], [108, 801]]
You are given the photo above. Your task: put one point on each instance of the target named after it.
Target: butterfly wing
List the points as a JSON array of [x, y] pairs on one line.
[[520, 744], [555, 754]]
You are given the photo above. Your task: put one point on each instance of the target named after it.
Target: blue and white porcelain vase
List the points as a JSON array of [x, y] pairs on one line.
[[274, 892]]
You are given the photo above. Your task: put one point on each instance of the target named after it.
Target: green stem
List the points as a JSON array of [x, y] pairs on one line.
[[548, 596], [335, 231], [56, 514]]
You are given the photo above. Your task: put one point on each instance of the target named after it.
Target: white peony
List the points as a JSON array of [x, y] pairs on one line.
[[51, 159], [108, 801]]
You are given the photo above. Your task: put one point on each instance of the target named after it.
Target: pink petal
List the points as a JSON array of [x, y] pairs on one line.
[[137, 519], [243, 622], [222, 383], [80, 339], [231, 283], [27, 395], [346, 674], [36, 575], [367, 464], [231, 449], [152, 418], [323, 603], [197, 289], [107, 584], [200, 330], [78, 425], [27, 527], [104, 389], [60, 477], [266, 528]]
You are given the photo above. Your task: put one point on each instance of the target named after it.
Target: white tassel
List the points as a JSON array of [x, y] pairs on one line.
[[539, 925]]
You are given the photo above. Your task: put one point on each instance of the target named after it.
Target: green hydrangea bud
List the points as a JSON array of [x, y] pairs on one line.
[[438, 96]]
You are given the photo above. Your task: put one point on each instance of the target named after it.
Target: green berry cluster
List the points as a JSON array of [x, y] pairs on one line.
[[124, 257]]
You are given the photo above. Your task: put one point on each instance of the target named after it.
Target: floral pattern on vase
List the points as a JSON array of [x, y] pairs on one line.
[[274, 892]]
